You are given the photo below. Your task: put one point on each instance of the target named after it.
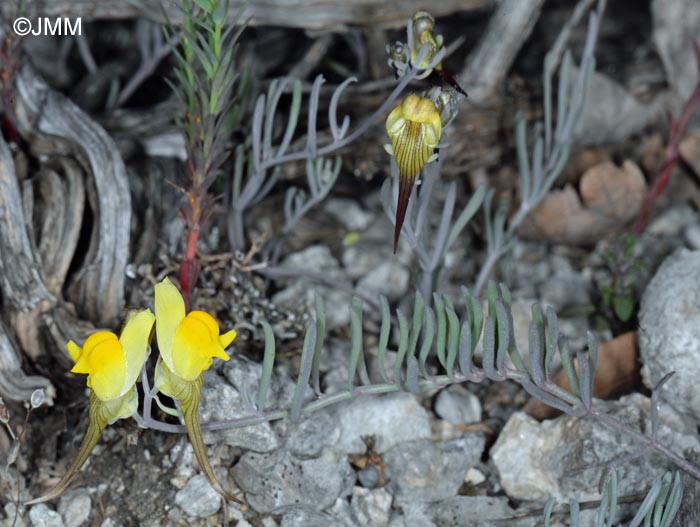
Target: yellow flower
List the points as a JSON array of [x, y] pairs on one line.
[[114, 363], [187, 343], [414, 128]]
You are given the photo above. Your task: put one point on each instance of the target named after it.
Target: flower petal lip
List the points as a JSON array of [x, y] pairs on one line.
[[196, 342], [74, 350], [421, 110], [170, 312], [134, 339], [227, 338], [102, 358]]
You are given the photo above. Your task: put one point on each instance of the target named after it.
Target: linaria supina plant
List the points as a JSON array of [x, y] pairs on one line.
[[188, 342], [112, 365], [429, 243], [257, 162], [195, 340]]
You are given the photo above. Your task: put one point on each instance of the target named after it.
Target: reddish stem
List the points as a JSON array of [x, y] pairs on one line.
[[189, 266], [192, 213], [676, 130]]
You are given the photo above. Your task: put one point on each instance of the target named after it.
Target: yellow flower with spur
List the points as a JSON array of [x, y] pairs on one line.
[[414, 128], [188, 342], [112, 365]]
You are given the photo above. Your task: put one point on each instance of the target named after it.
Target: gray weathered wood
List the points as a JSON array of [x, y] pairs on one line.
[[56, 125], [22, 287], [308, 14], [508, 29], [21, 283], [15, 385], [61, 193]]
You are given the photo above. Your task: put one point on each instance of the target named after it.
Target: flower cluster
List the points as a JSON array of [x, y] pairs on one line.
[[188, 343], [415, 126], [419, 35]]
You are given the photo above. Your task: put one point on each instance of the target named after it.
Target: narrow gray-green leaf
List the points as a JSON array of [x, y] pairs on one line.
[[523, 161], [504, 332], [535, 353], [292, 120], [585, 380], [660, 504], [563, 94], [428, 336], [655, 392], [274, 93], [257, 131], [452, 340], [383, 337], [307, 356], [547, 516], [674, 502], [547, 83], [403, 346], [489, 347], [311, 143], [412, 375], [320, 337], [465, 348], [574, 513], [476, 317], [356, 338], [552, 340], [336, 132], [268, 363], [417, 323], [647, 504], [567, 363], [592, 354], [538, 170], [545, 397], [467, 213], [441, 326]]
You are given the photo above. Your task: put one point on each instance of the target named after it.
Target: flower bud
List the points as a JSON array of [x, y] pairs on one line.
[[37, 399]]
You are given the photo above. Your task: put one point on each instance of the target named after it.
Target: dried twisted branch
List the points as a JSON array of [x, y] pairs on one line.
[[57, 126], [34, 265]]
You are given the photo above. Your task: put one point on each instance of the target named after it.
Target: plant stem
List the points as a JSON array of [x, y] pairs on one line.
[[676, 130], [647, 441]]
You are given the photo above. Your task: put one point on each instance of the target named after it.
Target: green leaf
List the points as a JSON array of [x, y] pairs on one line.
[[206, 5], [623, 306], [629, 242]]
